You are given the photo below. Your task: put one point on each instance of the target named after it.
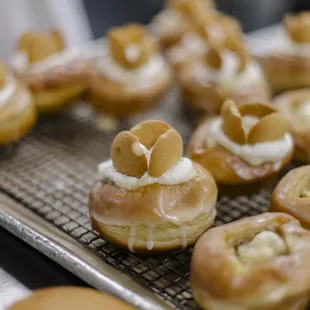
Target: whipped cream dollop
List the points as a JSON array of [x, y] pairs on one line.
[[167, 21], [228, 77], [253, 154], [183, 171], [143, 77], [7, 92]]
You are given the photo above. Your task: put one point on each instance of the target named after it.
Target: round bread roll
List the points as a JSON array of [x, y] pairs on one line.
[[69, 298]]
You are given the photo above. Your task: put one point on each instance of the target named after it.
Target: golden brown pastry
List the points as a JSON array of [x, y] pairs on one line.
[[17, 109], [295, 106], [259, 262], [288, 66], [244, 148], [69, 298], [56, 76], [216, 30], [131, 76], [150, 198], [179, 17], [292, 194], [224, 72]]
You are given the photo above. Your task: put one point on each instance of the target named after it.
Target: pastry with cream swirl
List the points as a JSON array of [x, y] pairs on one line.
[[18, 113], [131, 76], [292, 195], [55, 76], [295, 106], [288, 67], [259, 262], [150, 198], [225, 71], [244, 148]]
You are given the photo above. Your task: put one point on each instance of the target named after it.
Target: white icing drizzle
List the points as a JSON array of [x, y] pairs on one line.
[[131, 238], [150, 239], [7, 92], [228, 77], [183, 236], [132, 53], [256, 154], [141, 78]]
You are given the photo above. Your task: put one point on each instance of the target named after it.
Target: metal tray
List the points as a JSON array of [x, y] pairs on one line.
[[44, 184]]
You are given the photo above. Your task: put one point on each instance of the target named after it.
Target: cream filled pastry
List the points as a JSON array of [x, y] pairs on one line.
[[287, 67], [244, 148], [295, 106], [131, 76], [17, 109], [259, 262], [179, 17], [55, 76], [225, 71], [150, 198]]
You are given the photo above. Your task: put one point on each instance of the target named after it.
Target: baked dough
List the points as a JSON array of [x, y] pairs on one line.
[[233, 175], [153, 217], [69, 298], [292, 195], [17, 110], [259, 262], [132, 76], [56, 76], [295, 106]]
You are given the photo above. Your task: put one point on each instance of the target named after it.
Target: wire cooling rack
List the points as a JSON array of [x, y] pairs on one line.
[[52, 170]]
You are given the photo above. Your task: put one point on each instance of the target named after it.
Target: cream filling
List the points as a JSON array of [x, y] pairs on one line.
[[144, 77], [190, 45], [228, 77], [256, 154], [265, 246], [168, 21], [7, 92]]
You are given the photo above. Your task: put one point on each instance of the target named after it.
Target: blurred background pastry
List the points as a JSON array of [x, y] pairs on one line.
[[287, 66], [225, 71], [18, 113], [179, 17], [259, 262], [131, 76], [69, 298], [295, 106], [292, 195], [244, 148], [55, 76], [150, 198]]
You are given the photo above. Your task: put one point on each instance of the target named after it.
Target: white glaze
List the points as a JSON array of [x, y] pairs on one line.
[[256, 154], [183, 236], [143, 77], [228, 77], [7, 92]]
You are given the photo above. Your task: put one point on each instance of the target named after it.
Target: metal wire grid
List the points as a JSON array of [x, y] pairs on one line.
[[52, 172]]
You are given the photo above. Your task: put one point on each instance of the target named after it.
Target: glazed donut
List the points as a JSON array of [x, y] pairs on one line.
[[244, 148], [260, 262], [69, 298], [150, 198]]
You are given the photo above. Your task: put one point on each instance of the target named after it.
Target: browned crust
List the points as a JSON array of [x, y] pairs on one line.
[[152, 204], [301, 139], [232, 175], [210, 97], [113, 98], [285, 72], [69, 298], [18, 117], [283, 200], [215, 276]]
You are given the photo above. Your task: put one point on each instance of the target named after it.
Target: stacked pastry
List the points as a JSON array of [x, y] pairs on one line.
[[150, 198]]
